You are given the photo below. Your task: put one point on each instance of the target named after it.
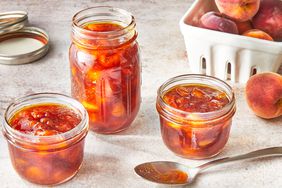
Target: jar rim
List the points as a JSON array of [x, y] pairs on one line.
[[207, 115], [76, 18], [83, 124]]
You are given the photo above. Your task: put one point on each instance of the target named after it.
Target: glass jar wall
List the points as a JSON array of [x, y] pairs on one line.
[[195, 115], [39, 153], [105, 67]]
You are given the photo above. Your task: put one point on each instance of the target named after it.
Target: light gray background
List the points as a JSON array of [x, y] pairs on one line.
[[109, 160]]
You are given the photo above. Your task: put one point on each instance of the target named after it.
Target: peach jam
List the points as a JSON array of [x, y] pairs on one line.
[[45, 134], [195, 115], [45, 119], [105, 67]]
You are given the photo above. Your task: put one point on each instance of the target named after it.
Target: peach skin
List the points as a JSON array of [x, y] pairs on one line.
[[269, 18], [215, 21], [264, 94], [244, 26], [240, 10], [256, 33]]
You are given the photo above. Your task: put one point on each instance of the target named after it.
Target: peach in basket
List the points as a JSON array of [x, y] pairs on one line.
[[224, 55]]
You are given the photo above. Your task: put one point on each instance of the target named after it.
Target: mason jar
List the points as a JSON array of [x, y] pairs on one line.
[[105, 67], [195, 133], [49, 159]]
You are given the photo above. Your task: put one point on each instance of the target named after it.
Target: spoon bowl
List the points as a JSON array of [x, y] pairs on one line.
[[166, 172]]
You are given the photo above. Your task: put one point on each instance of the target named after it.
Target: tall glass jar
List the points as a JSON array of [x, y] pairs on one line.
[[105, 67], [45, 160]]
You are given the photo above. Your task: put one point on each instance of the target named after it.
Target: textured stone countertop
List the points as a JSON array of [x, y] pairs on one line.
[[109, 160]]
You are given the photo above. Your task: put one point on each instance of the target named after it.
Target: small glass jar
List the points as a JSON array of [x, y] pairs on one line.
[[46, 160], [195, 135], [105, 67]]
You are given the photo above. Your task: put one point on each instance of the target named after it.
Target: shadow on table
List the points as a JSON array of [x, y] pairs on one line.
[[144, 131], [138, 138], [147, 120], [274, 121], [93, 164], [145, 124]]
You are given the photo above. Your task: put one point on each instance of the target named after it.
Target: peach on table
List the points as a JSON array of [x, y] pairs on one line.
[[264, 94]]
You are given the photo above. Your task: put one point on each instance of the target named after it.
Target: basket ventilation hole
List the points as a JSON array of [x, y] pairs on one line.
[[254, 71], [228, 71], [203, 66]]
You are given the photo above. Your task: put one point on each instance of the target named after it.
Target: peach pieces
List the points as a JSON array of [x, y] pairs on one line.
[[256, 33], [215, 21], [269, 18], [264, 94], [240, 10]]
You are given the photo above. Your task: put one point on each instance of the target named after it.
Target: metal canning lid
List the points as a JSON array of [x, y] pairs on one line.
[[12, 21], [23, 46], [20, 44]]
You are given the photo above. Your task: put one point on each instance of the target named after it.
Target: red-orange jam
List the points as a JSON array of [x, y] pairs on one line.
[[173, 177], [162, 174], [195, 98], [186, 126], [41, 159], [45, 119], [103, 26], [169, 177], [105, 77]]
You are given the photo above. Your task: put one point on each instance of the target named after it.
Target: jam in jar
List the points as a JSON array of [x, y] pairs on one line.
[[105, 67], [45, 134], [195, 115]]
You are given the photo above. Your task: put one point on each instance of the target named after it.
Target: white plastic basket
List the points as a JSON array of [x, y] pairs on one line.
[[223, 55]]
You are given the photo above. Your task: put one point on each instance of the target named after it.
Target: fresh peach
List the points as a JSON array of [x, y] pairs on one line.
[[240, 10], [264, 94], [269, 18], [244, 26], [256, 33], [215, 21]]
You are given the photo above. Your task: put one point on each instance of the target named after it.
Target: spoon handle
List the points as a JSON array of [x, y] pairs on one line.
[[273, 151]]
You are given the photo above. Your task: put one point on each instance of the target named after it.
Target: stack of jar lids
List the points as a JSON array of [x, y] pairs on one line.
[[20, 44]]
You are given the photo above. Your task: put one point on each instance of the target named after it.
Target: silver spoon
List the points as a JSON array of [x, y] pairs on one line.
[[172, 173]]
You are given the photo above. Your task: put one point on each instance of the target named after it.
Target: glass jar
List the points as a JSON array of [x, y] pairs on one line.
[[195, 135], [105, 67], [46, 160]]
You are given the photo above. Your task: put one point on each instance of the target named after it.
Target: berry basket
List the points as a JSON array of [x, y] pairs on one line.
[[223, 55]]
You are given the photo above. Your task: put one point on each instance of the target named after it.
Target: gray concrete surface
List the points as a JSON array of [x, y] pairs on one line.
[[109, 160]]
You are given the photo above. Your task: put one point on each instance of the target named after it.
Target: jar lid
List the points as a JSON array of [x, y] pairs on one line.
[[20, 44], [12, 21]]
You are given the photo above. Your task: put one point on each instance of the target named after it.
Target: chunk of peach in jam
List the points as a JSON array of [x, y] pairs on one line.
[[195, 139], [195, 98], [106, 78], [40, 163], [45, 120]]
